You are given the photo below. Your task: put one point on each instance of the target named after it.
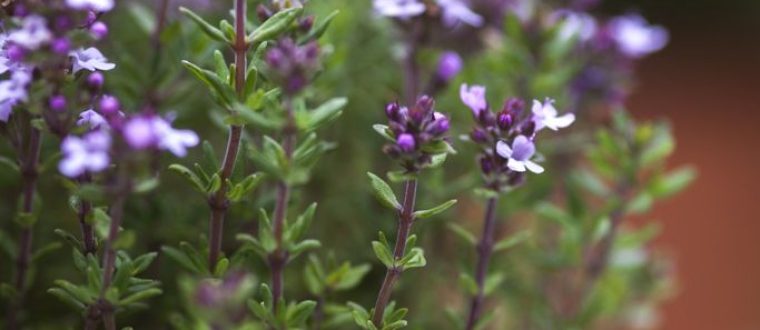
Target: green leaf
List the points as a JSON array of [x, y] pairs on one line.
[[10, 164], [221, 267], [463, 233], [274, 26], [382, 253], [258, 119], [326, 113], [400, 176], [512, 241], [181, 258], [492, 282], [50, 247], [424, 214], [206, 27], [244, 187], [142, 295], [214, 184], [319, 28], [414, 259], [352, 277], [303, 246], [468, 283], [673, 182], [297, 316], [189, 175], [67, 298], [384, 131], [221, 88], [640, 204], [383, 192]]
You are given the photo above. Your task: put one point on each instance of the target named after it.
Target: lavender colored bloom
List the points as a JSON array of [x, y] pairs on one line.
[[635, 37], [545, 115], [406, 142], [577, 24], [449, 66], [32, 34], [402, 9], [86, 154], [95, 80], [61, 46], [455, 11], [474, 97], [109, 105], [90, 59], [96, 5], [144, 132], [93, 119], [519, 154], [13, 91], [292, 65]]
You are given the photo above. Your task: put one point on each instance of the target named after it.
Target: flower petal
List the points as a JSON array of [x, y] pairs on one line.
[[503, 149], [534, 167], [516, 165]]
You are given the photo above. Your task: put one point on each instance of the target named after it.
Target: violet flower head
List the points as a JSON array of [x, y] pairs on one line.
[[86, 154], [293, 65], [449, 65], [455, 11], [577, 25], [33, 33], [95, 5], [150, 131], [519, 155], [401, 9], [418, 133], [545, 115], [634, 37], [90, 59], [474, 97]]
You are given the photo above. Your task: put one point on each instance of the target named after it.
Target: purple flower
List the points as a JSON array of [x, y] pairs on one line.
[[519, 154], [32, 34], [402, 9], [474, 97], [406, 142], [109, 105], [545, 115], [93, 119], [292, 65], [90, 59], [95, 80], [96, 5], [455, 11], [61, 46], [449, 66], [85, 154], [144, 132], [57, 103], [13, 91], [577, 24], [635, 37]]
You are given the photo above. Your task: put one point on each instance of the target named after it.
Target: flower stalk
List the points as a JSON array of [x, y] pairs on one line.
[[405, 221], [219, 203], [484, 250]]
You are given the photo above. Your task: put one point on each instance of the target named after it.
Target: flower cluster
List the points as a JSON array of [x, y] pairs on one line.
[[451, 12], [418, 133], [508, 137], [292, 65]]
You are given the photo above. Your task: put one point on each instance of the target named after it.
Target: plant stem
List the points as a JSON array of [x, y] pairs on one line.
[[29, 163], [109, 256], [85, 207], [279, 257], [406, 219], [219, 203], [484, 249]]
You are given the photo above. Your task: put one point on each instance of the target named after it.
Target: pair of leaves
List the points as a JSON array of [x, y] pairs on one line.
[[290, 316]]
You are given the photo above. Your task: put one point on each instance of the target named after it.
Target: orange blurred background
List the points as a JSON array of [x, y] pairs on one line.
[[707, 82]]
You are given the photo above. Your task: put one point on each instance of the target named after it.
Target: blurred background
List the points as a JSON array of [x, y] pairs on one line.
[[706, 82]]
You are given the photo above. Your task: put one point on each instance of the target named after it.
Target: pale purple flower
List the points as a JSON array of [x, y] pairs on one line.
[[474, 97], [635, 37], [455, 11], [545, 115], [32, 34], [449, 66], [577, 25], [144, 132], [13, 91], [92, 119], [519, 154], [90, 59], [86, 154], [96, 5], [403, 9]]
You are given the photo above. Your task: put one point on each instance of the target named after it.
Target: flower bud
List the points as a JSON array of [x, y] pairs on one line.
[[109, 105], [449, 66], [263, 12], [486, 166], [406, 142], [60, 46], [306, 24], [95, 80], [57, 103], [478, 135], [15, 53], [392, 110], [99, 30], [505, 120], [528, 128]]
